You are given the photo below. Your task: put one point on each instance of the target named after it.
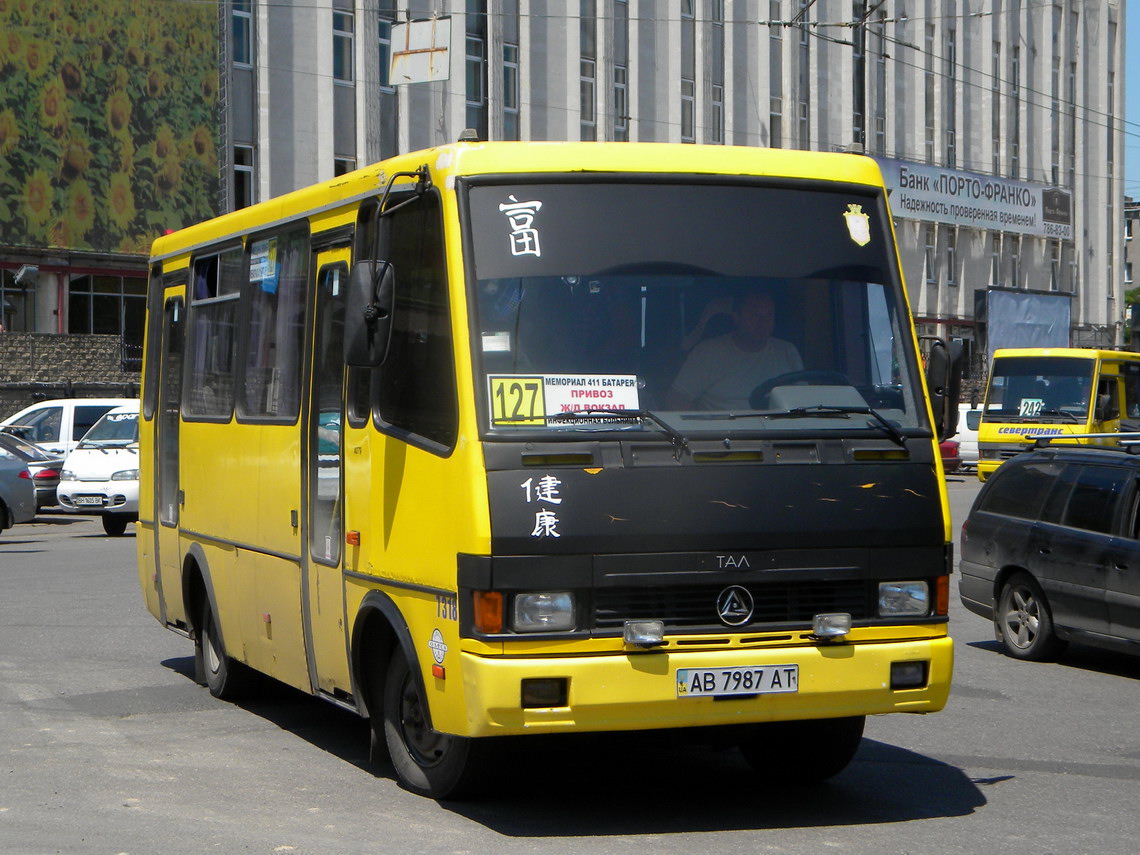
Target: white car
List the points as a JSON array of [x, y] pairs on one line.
[[57, 426], [967, 435], [102, 474]]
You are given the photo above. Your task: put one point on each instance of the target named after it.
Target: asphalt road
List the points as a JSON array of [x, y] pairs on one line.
[[108, 746]]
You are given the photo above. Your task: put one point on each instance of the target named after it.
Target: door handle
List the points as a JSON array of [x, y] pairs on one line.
[[1044, 550]]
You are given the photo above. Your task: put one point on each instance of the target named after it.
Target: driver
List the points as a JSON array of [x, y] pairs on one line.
[[721, 372]]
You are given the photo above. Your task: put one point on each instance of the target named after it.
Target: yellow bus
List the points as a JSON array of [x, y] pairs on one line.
[[407, 444], [1056, 392]]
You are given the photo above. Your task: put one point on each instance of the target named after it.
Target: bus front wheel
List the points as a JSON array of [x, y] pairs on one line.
[[802, 752], [427, 762], [225, 678]]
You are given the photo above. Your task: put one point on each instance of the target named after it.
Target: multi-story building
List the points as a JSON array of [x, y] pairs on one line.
[[1019, 102]]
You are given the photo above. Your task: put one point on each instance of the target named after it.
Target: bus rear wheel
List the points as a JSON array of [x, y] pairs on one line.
[[803, 752], [427, 762]]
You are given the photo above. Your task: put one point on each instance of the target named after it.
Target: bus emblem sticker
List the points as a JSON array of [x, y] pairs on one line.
[[858, 224], [734, 606], [438, 647]]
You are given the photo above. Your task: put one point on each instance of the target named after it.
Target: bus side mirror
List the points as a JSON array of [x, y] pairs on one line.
[[368, 313], [944, 380]]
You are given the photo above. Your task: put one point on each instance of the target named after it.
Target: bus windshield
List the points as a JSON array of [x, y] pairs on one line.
[[1040, 389], [734, 308]]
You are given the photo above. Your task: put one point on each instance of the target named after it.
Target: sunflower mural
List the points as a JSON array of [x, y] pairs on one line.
[[108, 121]]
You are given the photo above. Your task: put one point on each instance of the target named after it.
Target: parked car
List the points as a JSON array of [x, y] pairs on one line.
[[1051, 551], [58, 425], [951, 458], [17, 493], [969, 417], [102, 474], [45, 468]]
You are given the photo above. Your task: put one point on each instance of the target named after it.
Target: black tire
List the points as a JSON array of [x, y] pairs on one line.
[[1024, 622], [115, 525], [226, 678], [426, 761], [802, 752]]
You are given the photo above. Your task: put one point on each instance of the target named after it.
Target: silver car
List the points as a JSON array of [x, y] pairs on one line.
[[17, 492]]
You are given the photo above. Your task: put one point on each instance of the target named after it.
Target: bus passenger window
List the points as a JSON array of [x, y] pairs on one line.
[[213, 334], [417, 380], [278, 268]]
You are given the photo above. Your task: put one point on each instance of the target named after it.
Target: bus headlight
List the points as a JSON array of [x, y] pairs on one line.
[[543, 612], [904, 599]]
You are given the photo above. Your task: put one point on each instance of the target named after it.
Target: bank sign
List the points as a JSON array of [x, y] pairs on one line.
[[933, 194]]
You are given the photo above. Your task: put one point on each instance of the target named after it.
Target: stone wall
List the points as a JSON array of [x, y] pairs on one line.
[[39, 366]]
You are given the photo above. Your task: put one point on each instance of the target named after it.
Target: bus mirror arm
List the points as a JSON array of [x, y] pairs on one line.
[[368, 313], [944, 381]]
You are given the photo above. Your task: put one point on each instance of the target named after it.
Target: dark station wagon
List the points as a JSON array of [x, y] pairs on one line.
[[1051, 551]]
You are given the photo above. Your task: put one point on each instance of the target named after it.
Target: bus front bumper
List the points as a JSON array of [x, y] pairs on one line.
[[639, 691]]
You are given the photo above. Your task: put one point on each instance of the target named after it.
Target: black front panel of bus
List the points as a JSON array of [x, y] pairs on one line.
[[713, 507]]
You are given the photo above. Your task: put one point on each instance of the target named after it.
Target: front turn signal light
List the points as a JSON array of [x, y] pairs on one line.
[[488, 611]]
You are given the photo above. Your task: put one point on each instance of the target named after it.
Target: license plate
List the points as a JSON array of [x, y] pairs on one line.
[[90, 500], [720, 682]]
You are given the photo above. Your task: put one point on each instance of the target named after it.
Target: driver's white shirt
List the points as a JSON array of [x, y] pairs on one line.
[[718, 375]]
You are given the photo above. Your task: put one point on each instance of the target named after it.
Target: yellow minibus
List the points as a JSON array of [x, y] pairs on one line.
[[502, 439]]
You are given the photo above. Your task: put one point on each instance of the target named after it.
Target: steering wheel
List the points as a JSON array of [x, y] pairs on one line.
[[759, 397]]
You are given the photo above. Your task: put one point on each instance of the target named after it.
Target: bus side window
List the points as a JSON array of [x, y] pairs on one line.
[[415, 386]]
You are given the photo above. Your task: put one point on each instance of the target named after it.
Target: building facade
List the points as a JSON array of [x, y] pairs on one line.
[[1027, 93], [1025, 97]]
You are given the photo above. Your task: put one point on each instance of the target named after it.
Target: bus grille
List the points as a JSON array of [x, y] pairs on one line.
[[775, 603]]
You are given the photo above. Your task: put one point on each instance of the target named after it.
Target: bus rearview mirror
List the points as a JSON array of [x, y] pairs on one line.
[[368, 313]]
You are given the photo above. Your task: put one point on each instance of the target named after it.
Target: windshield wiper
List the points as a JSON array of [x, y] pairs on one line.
[[1052, 411], [676, 438], [825, 411]]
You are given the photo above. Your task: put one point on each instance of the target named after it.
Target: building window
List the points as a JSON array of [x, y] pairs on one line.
[[1054, 265], [341, 165], [951, 99], [621, 71], [17, 304], [775, 122], [107, 305], [1128, 228], [716, 73], [621, 103], [995, 260], [775, 76], [476, 64], [951, 255], [995, 105], [342, 46], [1128, 273], [244, 195], [804, 125], [688, 109], [510, 92], [1015, 113], [930, 261], [385, 42], [242, 22], [716, 115], [928, 80], [588, 69]]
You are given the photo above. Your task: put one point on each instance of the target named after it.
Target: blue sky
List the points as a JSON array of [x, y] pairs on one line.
[[1132, 100]]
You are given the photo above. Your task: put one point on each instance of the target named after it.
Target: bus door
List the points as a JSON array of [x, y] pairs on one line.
[[167, 491], [323, 479]]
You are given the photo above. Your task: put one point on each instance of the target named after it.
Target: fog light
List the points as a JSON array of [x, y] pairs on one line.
[[543, 612], [644, 633], [909, 675], [904, 599], [831, 626], [541, 692]]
